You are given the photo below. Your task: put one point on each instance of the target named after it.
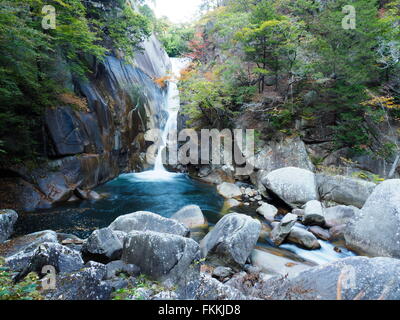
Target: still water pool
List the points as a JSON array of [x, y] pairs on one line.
[[163, 193]]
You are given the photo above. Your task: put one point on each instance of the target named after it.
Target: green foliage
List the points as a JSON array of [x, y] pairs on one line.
[[31, 56], [25, 290]]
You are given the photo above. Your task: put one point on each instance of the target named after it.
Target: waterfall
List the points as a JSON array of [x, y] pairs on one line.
[[172, 107]]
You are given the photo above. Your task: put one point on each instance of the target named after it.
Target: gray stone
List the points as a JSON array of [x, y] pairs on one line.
[[232, 239], [99, 270], [103, 245], [355, 278], [62, 258], [282, 230], [344, 190], [160, 255], [267, 211], [165, 295], [314, 214], [303, 239], [295, 186], [212, 289], [229, 190], [375, 229], [148, 221], [19, 251], [190, 216], [7, 220]]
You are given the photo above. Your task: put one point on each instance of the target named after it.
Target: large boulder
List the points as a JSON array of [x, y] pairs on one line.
[[86, 284], [62, 258], [19, 251], [295, 186], [355, 278], [103, 245], [338, 215], [190, 216], [283, 228], [268, 211], [375, 229], [344, 190], [303, 239], [314, 214], [148, 221], [7, 221], [160, 255], [229, 190], [232, 239]]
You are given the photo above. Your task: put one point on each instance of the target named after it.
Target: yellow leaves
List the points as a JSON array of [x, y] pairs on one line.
[[382, 101]]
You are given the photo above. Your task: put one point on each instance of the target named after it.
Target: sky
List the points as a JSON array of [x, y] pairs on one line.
[[176, 10]]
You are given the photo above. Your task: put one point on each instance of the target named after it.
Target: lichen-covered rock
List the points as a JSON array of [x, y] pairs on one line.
[[7, 220], [283, 228], [19, 251], [295, 186], [212, 289], [148, 221], [103, 245], [232, 239], [81, 285], [375, 229], [355, 278], [52, 254], [161, 255], [190, 216]]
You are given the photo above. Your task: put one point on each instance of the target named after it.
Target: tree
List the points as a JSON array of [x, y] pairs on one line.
[[270, 41]]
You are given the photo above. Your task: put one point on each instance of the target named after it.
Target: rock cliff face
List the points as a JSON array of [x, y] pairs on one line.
[[91, 145]]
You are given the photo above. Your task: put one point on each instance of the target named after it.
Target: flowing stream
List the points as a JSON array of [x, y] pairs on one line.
[[164, 193]]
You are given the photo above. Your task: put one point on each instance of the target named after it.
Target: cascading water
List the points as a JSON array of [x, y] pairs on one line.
[[172, 107], [173, 104]]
